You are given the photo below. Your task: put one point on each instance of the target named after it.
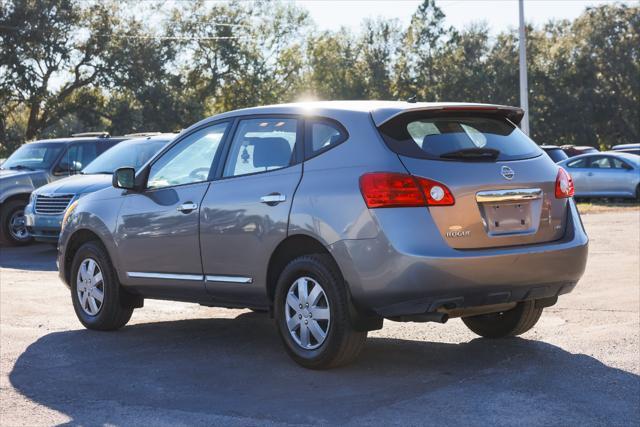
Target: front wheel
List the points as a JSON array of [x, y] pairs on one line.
[[312, 312], [508, 323], [96, 291], [13, 230]]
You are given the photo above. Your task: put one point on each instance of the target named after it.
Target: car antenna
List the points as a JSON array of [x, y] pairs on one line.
[[412, 99]]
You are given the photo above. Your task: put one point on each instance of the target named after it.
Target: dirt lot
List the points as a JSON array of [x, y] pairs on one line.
[[181, 364]]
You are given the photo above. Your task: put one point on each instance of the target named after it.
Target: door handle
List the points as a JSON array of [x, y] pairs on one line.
[[273, 199], [590, 174], [187, 207]]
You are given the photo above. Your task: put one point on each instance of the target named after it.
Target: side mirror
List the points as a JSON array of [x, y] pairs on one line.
[[124, 178]]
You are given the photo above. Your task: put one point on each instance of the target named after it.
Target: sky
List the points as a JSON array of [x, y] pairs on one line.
[[498, 14]]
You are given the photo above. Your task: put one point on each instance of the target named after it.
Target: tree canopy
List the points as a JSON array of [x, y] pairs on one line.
[[71, 65]]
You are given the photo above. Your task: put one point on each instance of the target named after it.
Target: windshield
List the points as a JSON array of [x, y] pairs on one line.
[[133, 153], [34, 156], [461, 137]]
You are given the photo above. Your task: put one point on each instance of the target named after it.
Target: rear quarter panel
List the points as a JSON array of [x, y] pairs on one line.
[[328, 204]]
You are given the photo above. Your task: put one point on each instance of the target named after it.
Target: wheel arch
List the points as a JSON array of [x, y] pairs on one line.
[[290, 248], [75, 241], [23, 197]]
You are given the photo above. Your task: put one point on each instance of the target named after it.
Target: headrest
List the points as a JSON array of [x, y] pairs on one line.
[[271, 152]]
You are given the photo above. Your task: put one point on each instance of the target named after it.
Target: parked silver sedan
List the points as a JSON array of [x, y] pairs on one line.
[[608, 174]]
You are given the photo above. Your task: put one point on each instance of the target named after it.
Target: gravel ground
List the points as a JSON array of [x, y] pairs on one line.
[[182, 364]]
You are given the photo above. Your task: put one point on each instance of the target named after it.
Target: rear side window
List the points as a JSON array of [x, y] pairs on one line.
[[436, 137], [322, 135], [261, 145]]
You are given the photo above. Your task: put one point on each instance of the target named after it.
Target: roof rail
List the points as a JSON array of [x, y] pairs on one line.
[[143, 134], [92, 134]]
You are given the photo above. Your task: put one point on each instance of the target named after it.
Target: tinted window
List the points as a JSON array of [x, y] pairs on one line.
[[34, 156], [432, 137], [261, 145], [77, 156], [133, 153], [580, 163], [322, 135], [556, 154], [188, 161]]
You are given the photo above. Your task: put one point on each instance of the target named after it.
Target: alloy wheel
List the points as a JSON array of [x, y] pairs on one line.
[[90, 287], [307, 313]]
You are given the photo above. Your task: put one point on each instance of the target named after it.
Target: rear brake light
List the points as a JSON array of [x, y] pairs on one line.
[[387, 190], [564, 185]]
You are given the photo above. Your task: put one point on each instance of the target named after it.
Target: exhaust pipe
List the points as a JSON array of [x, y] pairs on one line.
[[422, 318]]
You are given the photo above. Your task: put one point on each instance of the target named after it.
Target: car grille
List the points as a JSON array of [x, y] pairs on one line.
[[52, 204]]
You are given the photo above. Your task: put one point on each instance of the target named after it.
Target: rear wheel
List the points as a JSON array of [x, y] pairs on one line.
[[96, 291], [312, 312], [13, 230], [509, 323]]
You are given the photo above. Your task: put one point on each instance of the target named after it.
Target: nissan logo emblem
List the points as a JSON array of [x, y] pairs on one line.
[[507, 172]]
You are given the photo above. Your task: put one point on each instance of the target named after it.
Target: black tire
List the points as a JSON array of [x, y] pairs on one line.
[[112, 314], [7, 212], [343, 343], [509, 323]]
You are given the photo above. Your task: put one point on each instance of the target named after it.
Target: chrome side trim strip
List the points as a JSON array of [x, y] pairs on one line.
[[512, 195], [169, 276], [228, 279]]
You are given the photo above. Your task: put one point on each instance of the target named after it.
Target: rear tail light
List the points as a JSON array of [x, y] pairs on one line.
[[564, 185], [392, 190]]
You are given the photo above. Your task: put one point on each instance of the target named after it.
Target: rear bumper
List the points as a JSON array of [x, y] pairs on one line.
[[420, 275]]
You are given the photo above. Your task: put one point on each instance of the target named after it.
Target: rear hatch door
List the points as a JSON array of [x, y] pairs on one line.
[[503, 184]]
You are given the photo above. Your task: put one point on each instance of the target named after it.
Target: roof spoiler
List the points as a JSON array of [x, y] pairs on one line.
[[515, 114]]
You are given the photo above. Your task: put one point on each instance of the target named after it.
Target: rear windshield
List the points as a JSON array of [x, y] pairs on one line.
[[440, 137]]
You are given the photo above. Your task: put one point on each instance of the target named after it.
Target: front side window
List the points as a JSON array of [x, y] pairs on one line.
[[600, 163], [460, 137], [619, 164], [34, 156], [261, 145], [77, 156], [579, 163], [190, 160]]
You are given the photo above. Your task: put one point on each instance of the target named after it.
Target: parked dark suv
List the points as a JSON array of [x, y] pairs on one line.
[[334, 216], [35, 164]]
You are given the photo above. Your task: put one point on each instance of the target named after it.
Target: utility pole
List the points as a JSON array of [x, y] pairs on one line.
[[524, 91]]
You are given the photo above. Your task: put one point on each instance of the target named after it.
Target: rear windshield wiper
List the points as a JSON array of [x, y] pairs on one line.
[[477, 154]]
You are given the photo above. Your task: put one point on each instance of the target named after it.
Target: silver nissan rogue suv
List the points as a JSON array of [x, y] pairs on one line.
[[334, 216]]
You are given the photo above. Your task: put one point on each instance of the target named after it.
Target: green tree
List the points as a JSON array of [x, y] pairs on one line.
[[50, 50]]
